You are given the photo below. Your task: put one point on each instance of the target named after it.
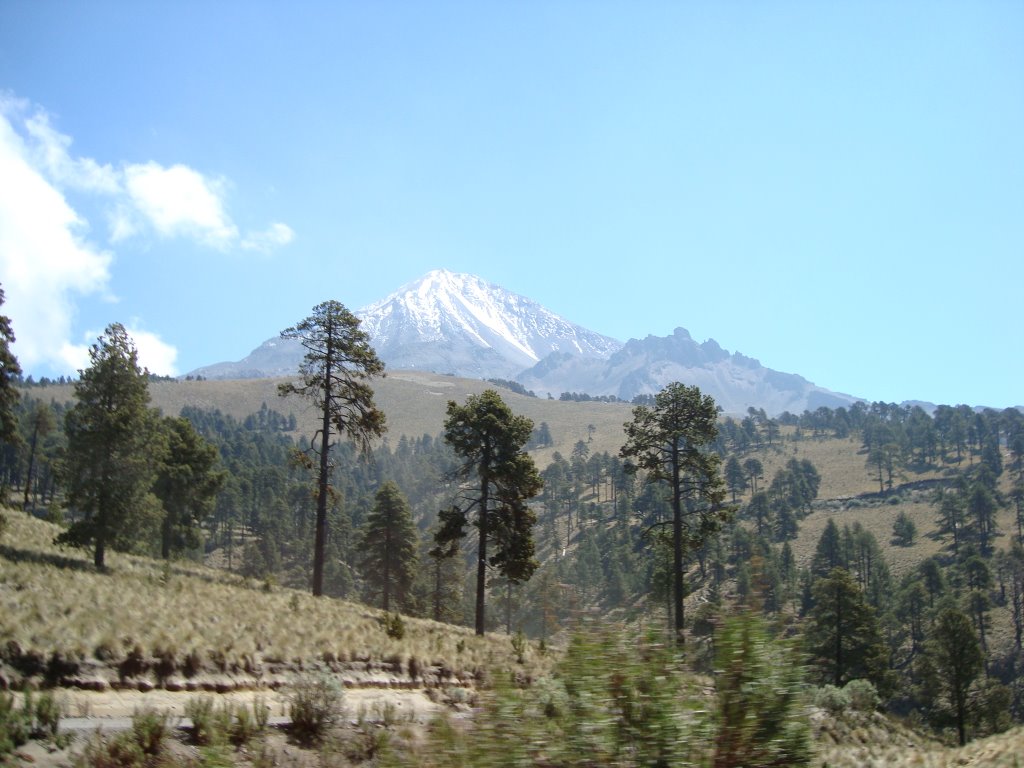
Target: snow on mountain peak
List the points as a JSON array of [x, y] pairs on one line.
[[473, 320]]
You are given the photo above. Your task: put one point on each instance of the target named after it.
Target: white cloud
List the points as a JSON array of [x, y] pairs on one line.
[[276, 235], [155, 354], [179, 200], [50, 151], [45, 261]]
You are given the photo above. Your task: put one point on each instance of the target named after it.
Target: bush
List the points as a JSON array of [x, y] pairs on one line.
[[150, 729], [15, 724], [862, 695], [207, 727], [314, 706], [613, 700], [832, 699], [394, 626], [35, 719], [139, 747], [234, 723], [761, 718], [120, 751]]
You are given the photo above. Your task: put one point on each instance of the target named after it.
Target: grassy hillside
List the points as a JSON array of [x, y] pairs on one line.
[[144, 622], [414, 403]]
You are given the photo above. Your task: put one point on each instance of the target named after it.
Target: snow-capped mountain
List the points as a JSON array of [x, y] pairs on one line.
[[448, 323], [459, 324]]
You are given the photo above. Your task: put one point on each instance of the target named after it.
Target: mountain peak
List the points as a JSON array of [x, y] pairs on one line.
[[477, 328]]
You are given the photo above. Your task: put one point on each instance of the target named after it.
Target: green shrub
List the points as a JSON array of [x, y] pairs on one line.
[[832, 699], [15, 724], [613, 700], [207, 727], [519, 646], [214, 726], [144, 746], [394, 626], [314, 706], [150, 730], [121, 751], [761, 720], [863, 695], [36, 718]]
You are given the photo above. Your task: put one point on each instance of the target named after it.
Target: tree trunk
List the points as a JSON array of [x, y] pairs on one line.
[[320, 537], [31, 463], [99, 555], [677, 546], [481, 564]]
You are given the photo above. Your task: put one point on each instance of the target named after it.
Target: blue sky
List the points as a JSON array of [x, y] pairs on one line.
[[836, 189]]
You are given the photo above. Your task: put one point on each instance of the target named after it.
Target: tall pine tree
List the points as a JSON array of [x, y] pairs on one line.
[[113, 449], [335, 375], [499, 478], [671, 442]]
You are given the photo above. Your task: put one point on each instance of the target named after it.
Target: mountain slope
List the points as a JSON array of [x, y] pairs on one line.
[[447, 323], [456, 323], [645, 366], [462, 325]]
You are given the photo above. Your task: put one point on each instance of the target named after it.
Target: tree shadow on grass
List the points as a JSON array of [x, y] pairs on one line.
[[36, 557]]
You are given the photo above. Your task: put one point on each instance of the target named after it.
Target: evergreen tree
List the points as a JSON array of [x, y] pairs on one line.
[[955, 660], [735, 477], [670, 442], [113, 450], [388, 546], [903, 530], [843, 636], [41, 422], [829, 553], [334, 375], [187, 484], [10, 372], [499, 478]]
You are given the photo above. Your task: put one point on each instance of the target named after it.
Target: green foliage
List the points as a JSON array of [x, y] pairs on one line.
[[314, 706], [208, 725], [613, 700], [843, 636], [519, 646], [952, 661], [760, 698], [120, 751], [903, 530], [10, 371], [187, 483], [150, 730], [142, 746], [394, 625], [863, 695], [832, 699], [670, 441], [15, 724], [113, 450], [500, 478], [388, 546], [335, 375], [231, 723], [38, 717]]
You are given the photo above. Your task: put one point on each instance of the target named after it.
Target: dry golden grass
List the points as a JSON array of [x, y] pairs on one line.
[[857, 740], [53, 601], [413, 401]]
